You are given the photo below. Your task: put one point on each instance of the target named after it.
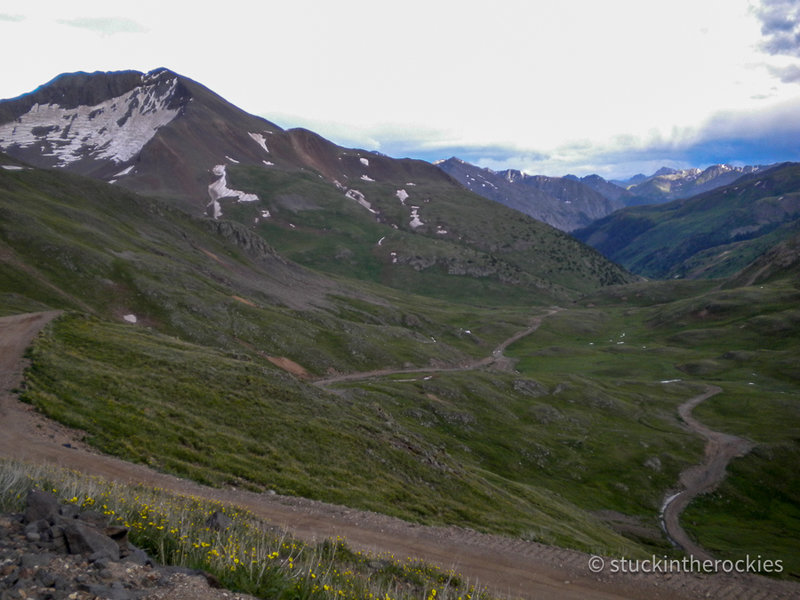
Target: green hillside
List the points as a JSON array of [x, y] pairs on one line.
[[461, 245]]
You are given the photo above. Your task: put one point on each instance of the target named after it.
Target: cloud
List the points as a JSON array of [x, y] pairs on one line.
[[780, 26], [733, 137], [787, 74], [11, 18], [106, 25]]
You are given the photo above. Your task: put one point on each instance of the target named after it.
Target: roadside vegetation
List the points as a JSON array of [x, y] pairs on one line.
[[243, 552]]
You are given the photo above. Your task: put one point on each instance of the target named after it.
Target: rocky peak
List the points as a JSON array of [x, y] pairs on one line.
[[97, 116]]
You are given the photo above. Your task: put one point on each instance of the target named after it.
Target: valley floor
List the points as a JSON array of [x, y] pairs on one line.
[[507, 567]]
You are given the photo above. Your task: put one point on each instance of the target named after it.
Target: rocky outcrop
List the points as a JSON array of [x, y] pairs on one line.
[[58, 552]]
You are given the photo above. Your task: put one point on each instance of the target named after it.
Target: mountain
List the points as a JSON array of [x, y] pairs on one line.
[[673, 184], [563, 202], [399, 222], [162, 133], [713, 234]]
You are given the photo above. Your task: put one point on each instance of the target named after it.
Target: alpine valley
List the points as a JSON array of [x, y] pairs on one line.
[[259, 308]]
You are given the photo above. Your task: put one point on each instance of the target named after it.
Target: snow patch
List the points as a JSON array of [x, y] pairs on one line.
[[233, 160], [259, 139], [402, 195], [130, 318], [441, 230], [359, 197], [124, 171], [415, 220], [265, 214], [219, 188], [115, 129], [13, 168], [394, 257], [380, 241], [216, 209], [364, 161], [367, 178], [268, 163]]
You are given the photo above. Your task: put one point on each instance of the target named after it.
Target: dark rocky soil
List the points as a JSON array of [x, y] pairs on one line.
[[56, 552]]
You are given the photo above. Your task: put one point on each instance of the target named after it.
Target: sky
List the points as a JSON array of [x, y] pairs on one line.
[[613, 87]]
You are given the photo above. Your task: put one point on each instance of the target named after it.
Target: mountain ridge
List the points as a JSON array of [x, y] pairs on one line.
[[561, 202], [713, 234]]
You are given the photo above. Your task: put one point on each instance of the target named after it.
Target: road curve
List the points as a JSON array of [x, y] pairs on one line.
[[494, 357], [721, 449]]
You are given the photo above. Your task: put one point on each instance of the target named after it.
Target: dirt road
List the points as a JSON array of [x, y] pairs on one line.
[[721, 449], [495, 357], [508, 567]]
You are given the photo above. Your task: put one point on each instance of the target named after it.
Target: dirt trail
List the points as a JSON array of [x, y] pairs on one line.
[[721, 449], [507, 567], [495, 357]]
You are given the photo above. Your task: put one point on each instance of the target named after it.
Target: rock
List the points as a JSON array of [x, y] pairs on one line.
[[45, 578], [38, 531], [82, 538], [218, 521], [30, 560], [653, 463], [69, 511], [95, 518], [108, 592], [136, 556], [40, 505]]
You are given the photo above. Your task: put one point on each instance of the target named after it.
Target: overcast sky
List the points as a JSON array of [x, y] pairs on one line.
[[613, 87]]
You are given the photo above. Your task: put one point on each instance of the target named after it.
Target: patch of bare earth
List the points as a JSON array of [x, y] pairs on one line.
[[287, 364]]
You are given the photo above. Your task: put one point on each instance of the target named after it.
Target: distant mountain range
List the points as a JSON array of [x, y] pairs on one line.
[[713, 234], [672, 184], [570, 202], [563, 202]]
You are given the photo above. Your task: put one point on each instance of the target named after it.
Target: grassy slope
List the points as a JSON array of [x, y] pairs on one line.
[[314, 224], [72, 243], [222, 419], [202, 400]]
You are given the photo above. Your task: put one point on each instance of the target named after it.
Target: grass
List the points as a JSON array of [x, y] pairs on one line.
[[756, 510], [248, 555], [585, 426], [225, 419]]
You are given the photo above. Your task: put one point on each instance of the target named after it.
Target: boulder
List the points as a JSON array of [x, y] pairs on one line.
[[40, 505]]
